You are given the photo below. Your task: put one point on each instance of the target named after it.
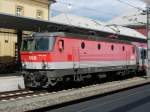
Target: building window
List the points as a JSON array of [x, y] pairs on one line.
[[39, 14], [6, 41], [19, 10]]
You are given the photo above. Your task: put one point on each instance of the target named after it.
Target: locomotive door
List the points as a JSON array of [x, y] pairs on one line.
[[127, 59]]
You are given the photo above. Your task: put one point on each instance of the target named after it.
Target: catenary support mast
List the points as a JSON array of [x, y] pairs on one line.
[[19, 40], [148, 39]]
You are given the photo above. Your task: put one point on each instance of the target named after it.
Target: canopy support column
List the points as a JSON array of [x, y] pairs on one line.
[[148, 40], [19, 41]]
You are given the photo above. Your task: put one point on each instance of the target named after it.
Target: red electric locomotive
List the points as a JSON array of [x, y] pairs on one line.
[[48, 58]]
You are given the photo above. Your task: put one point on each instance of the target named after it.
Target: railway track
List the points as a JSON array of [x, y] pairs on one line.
[[25, 100], [20, 94], [23, 94]]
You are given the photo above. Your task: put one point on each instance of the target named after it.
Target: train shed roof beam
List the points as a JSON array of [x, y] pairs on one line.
[[19, 40], [29, 24]]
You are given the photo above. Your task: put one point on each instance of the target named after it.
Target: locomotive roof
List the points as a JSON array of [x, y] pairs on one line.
[[79, 36]]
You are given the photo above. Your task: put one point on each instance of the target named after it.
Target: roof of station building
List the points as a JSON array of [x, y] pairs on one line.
[[84, 22], [132, 17]]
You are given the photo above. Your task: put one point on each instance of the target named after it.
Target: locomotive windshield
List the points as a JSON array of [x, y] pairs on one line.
[[27, 45], [38, 44], [41, 44]]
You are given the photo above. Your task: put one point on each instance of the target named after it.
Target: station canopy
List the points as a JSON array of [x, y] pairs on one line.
[[36, 25]]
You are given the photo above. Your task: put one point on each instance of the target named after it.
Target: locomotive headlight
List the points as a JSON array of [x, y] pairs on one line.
[[23, 65], [43, 65]]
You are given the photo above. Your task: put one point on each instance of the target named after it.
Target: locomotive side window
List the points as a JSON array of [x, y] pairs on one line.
[[123, 48], [99, 46], [112, 47], [82, 45]]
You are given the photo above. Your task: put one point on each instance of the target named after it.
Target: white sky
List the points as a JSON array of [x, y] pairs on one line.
[[102, 10]]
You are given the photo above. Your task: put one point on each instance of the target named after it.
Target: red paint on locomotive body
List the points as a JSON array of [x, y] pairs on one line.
[[79, 50], [51, 57]]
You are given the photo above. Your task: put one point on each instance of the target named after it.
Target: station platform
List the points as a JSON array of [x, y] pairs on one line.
[[11, 83]]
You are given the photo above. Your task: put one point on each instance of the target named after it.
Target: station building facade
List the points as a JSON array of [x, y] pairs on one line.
[[37, 9]]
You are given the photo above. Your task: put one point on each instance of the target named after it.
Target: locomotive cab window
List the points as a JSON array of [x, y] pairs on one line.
[[27, 45], [38, 44], [42, 44], [82, 45]]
